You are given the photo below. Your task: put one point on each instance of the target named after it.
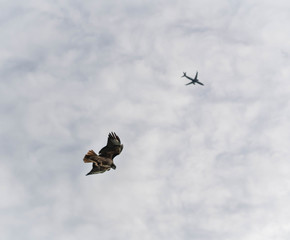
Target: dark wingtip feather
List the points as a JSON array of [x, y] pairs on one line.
[[113, 135]]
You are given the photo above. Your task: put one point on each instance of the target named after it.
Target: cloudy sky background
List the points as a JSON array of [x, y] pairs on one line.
[[204, 163]]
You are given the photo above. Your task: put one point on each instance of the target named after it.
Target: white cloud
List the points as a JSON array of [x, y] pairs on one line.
[[204, 162]]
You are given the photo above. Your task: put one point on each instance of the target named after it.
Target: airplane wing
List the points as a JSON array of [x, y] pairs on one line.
[[199, 83], [196, 75], [189, 83]]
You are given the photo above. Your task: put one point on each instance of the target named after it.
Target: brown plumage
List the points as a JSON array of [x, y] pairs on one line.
[[104, 161]]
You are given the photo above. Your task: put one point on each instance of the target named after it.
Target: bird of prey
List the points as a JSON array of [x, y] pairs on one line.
[[104, 161]]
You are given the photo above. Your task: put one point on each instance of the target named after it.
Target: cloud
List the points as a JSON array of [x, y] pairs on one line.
[[206, 162]]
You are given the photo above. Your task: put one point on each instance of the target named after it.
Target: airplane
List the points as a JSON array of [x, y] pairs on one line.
[[193, 81]]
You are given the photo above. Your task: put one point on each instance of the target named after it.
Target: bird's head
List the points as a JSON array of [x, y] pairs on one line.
[[113, 166]]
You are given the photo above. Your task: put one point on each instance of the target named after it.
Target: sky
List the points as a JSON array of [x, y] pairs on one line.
[[199, 162]]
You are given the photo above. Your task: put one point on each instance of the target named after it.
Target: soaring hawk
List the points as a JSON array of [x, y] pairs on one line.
[[104, 161]]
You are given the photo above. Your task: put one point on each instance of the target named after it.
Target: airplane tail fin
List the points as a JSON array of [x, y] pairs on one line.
[[184, 74]]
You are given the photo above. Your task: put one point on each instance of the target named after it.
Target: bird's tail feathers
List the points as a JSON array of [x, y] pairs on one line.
[[87, 157]]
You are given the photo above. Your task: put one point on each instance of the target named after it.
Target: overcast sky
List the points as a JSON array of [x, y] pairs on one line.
[[199, 162]]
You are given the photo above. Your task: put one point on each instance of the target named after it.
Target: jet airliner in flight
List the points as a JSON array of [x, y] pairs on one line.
[[193, 80]]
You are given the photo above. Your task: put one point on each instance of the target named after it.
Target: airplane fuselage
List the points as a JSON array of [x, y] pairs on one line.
[[194, 80]]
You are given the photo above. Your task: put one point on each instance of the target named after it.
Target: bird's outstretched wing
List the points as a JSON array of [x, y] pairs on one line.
[[98, 169], [113, 147]]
